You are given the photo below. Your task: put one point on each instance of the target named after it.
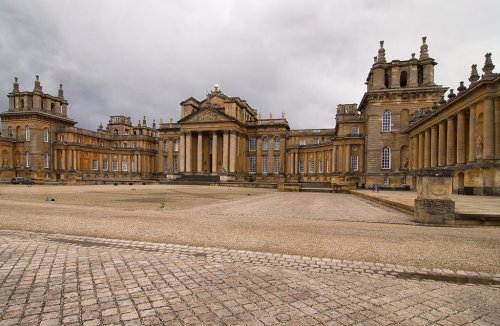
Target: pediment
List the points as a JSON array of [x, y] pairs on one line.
[[206, 115]]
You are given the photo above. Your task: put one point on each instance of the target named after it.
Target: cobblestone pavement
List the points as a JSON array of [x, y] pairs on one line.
[[57, 279]]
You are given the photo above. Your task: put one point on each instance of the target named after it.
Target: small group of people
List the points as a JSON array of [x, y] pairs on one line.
[[375, 187]]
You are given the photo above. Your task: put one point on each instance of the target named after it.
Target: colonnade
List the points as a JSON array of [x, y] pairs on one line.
[[337, 159], [190, 164], [460, 138]]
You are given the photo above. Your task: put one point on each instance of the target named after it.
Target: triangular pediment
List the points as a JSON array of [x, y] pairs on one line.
[[206, 115]]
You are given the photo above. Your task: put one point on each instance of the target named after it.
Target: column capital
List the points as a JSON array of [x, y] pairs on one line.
[[187, 132]]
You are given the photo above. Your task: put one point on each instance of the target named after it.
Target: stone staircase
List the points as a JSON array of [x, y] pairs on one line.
[[194, 179], [324, 187]]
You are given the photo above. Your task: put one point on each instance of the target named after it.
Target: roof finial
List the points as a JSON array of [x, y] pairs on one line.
[[38, 87], [15, 88], [144, 121], [474, 76], [61, 92], [488, 65], [381, 53], [424, 49], [461, 88], [216, 88]]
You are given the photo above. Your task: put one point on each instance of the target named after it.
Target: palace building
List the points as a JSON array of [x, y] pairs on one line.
[[403, 124]]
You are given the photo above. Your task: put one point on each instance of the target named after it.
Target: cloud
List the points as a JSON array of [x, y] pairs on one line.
[[301, 57]]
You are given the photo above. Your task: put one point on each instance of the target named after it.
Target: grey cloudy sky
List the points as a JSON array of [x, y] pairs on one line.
[[303, 57]]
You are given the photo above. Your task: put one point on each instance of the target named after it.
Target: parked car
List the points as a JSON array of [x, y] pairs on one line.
[[21, 181]]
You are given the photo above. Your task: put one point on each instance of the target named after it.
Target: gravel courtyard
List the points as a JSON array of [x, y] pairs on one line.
[[308, 224]]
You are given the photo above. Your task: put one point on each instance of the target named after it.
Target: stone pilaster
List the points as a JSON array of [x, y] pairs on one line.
[[427, 148], [199, 154], [461, 138], [450, 142], [421, 145], [442, 144], [472, 134], [232, 152], [434, 146], [189, 142], [497, 128], [489, 129], [182, 153], [225, 152], [214, 152]]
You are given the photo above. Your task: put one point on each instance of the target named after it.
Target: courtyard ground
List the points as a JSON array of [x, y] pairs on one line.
[[181, 255]]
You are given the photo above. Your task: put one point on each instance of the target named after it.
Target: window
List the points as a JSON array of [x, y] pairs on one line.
[[327, 166], [45, 135], [315, 141], [354, 163], [114, 165], [320, 166], [124, 165], [28, 160], [27, 133], [386, 120], [386, 181], [403, 79], [386, 158], [165, 145], [115, 145], [61, 138], [302, 142], [276, 169], [251, 144], [354, 131], [46, 160], [101, 144], [10, 132], [252, 164], [277, 144], [311, 166], [105, 165], [165, 164], [78, 140], [95, 165], [176, 145], [403, 179], [265, 144], [301, 167], [176, 164], [264, 164]]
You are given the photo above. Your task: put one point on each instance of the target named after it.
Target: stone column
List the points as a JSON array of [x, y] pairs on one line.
[[421, 144], [460, 138], [347, 162], [497, 128], [225, 152], [63, 160], [214, 152], [427, 148], [70, 160], [232, 152], [189, 142], [489, 129], [414, 152], [182, 153], [334, 159], [434, 146], [442, 144], [296, 162], [450, 142], [472, 134], [199, 154]]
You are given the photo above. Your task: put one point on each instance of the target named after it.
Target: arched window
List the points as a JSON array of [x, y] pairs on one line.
[[165, 145], [10, 132], [403, 79], [46, 160], [28, 160], [386, 158], [45, 135], [277, 144], [265, 144], [27, 133], [386, 120]]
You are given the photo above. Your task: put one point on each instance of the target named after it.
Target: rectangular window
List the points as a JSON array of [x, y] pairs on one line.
[[252, 164], [277, 142], [45, 135], [61, 138], [46, 160], [276, 169], [386, 181], [105, 165], [355, 131], [251, 144], [302, 142], [165, 164], [176, 145], [95, 165], [311, 166], [124, 165], [320, 166], [354, 163], [114, 165], [78, 140], [301, 167], [176, 164], [28, 160], [327, 166], [264, 164], [265, 144], [315, 141], [124, 145]]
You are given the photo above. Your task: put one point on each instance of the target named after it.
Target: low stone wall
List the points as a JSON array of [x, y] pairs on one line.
[[246, 184]]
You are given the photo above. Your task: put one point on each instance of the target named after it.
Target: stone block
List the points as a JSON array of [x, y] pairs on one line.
[[434, 211]]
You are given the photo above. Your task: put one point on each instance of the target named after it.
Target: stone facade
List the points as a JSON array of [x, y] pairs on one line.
[[402, 125]]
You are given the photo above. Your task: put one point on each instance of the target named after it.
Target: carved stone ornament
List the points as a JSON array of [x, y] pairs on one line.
[[208, 115]]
